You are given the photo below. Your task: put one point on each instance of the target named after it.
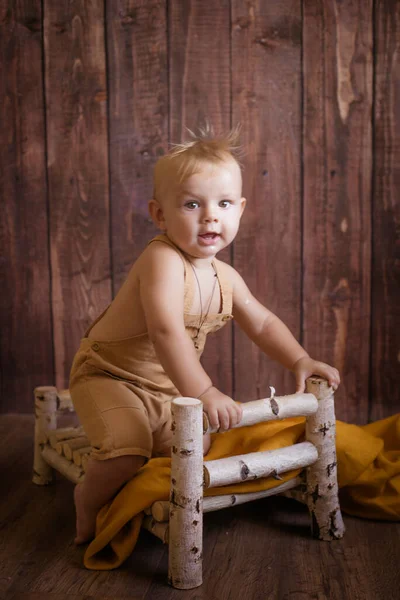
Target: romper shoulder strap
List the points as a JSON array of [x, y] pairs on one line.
[[188, 287], [226, 288]]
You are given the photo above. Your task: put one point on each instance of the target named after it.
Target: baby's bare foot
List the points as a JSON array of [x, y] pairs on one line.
[[85, 520]]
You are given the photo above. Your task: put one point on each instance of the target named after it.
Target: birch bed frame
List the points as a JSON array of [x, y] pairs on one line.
[[179, 522]]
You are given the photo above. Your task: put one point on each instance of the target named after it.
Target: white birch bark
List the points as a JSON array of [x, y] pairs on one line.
[[322, 485], [246, 467], [45, 421], [65, 402], [77, 455], [186, 514], [299, 494], [160, 509], [70, 445], [160, 530], [62, 465], [64, 433], [59, 448], [272, 409]]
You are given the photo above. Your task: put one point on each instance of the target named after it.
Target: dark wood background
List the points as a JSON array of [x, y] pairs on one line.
[[93, 92]]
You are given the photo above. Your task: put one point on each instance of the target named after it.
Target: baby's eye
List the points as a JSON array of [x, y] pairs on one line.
[[225, 203], [191, 205]]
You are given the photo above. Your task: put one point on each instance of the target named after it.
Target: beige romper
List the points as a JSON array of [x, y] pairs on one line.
[[121, 392]]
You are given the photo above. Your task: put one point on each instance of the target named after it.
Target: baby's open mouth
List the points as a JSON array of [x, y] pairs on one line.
[[209, 236]]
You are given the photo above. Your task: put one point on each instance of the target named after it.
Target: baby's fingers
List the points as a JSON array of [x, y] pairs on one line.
[[334, 378], [239, 411], [330, 373], [300, 381], [236, 414], [224, 419], [213, 418]]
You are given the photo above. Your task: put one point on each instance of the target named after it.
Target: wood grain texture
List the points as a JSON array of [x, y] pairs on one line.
[[266, 97], [76, 102], [37, 553], [251, 552], [138, 121], [168, 66], [385, 341], [337, 67], [26, 351], [200, 90]]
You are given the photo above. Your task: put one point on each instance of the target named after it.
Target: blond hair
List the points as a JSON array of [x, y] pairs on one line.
[[186, 158]]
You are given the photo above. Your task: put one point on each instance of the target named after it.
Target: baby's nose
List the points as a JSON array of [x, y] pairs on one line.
[[210, 215]]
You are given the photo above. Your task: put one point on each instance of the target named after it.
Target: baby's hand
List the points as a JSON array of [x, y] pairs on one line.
[[222, 411], [306, 366]]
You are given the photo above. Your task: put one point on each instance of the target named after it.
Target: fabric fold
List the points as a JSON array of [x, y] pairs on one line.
[[368, 459]]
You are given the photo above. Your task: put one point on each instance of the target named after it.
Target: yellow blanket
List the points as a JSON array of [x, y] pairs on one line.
[[368, 472]]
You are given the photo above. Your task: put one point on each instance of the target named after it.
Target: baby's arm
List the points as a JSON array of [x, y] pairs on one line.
[[274, 338], [161, 281]]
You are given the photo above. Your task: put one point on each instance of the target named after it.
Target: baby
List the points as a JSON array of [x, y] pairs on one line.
[[145, 349]]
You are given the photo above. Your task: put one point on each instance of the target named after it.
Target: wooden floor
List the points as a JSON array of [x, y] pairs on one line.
[[258, 551]]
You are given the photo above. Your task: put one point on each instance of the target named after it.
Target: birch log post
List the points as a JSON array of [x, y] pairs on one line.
[[65, 401], [45, 421], [322, 486], [185, 569]]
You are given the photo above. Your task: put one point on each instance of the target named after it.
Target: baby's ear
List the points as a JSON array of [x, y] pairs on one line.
[[157, 214], [243, 203]]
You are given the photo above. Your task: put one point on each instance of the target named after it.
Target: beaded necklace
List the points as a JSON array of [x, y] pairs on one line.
[[202, 320]]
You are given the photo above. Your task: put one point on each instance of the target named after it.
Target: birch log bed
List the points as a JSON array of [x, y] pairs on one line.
[[179, 522]]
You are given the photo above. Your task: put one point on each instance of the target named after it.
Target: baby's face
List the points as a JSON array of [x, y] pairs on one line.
[[202, 215]]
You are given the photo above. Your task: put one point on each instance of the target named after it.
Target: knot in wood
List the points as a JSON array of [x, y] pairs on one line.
[[330, 468], [244, 470], [339, 297], [129, 19], [185, 452], [242, 23], [333, 528], [179, 501], [274, 406], [324, 429], [315, 494]]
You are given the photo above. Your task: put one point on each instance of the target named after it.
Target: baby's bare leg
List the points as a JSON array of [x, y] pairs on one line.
[[103, 479]]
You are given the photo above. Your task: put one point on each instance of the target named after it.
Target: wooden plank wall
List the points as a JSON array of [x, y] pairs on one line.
[[26, 326], [385, 341], [77, 171], [266, 99], [93, 93], [337, 159]]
